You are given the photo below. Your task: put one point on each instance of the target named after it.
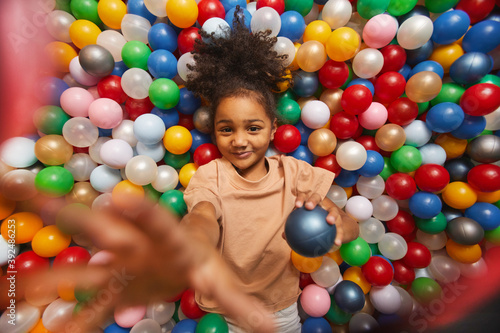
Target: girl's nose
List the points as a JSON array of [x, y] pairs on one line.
[[240, 139]]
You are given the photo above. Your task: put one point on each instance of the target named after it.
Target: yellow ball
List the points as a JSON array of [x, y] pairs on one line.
[[50, 241], [342, 44], [186, 172], [127, 195], [177, 139], [182, 13], [111, 12], [355, 275], [317, 30], [83, 33]]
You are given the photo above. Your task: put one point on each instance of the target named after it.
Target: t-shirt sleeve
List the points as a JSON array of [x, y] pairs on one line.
[[310, 179], [203, 186]]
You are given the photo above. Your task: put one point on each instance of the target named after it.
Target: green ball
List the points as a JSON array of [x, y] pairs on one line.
[[425, 290], [356, 252], [54, 181], [450, 92], [301, 6], [50, 119], [176, 161], [434, 225], [440, 6], [136, 54], [422, 107], [150, 193], [497, 203], [85, 10], [388, 169], [78, 308], [489, 78], [85, 293], [406, 159], [493, 236], [212, 323], [63, 5], [369, 8], [401, 7], [164, 93], [173, 200], [288, 94], [336, 315], [288, 111], [349, 78], [374, 249]]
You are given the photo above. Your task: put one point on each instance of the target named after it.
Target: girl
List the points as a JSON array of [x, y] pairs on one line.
[[239, 203]]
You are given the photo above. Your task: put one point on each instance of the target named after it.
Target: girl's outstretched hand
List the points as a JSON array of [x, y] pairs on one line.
[[150, 257]]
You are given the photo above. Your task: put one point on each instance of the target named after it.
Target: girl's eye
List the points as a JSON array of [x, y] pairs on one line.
[[254, 129], [225, 130]]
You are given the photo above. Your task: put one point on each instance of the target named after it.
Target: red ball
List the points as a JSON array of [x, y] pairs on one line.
[[208, 9], [80, 150], [186, 39], [476, 9], [205, 153], [137, 107], [189, 306], [175, 298], [402, 111], [402, 273], [328, 162], [432, 177], [485, 177], [305, 280], [344, 125], [287, 138], [29, 263], [277, 5], [111, 87], [368, 142], [186, 120], [389, 86], [71, 256], [378, 271], [417, 256], [402, 224], [333, 74], [394, 58], [356, 99], [400, 186], [480, 99]]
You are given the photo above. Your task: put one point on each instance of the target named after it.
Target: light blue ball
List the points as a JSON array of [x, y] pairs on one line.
[[149, 129], [104, 178]]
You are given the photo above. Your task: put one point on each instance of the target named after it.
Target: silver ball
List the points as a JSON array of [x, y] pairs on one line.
[[202, 120], [484, 149], [96, 60], [465, 231]]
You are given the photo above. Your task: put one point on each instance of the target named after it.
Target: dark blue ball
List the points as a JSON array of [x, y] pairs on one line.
[[188, 102], [162, 36], [308, 233], [450, 27], [347, 178], [425, 205], [482, 37], [349, 297], [428, 66], [471, 67], [162, 64], [243, 15], [304, 132], [458, 168], [303, 153], [445, 117], [305, 83], [50, 90], [114, 328], [119, 69], [471, 127], [199, 138], [170, 117], [185, 326], [484, 213], [416, 56], [316, 325], [374, 164]]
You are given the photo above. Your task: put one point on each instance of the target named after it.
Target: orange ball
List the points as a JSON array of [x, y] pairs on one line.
[[50, 241], [59, 55], [322, 142], [66, 290], [446, 55], [23, 226], [348, 191], [305, 264], [459, 195], [317, 30], [355, 275], [177, 139], [39, 328], [467, 254], [294, 65], [127, 195], [423, 86], [7, 207], [53, 149], [489, 197], [335, 256], [452, 146]]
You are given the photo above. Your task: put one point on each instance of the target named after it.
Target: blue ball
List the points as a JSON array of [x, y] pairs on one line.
[[304, 132], [162, 36], [170, 117], [482, 37], [119, 69], [293, 25], [243, 15], [50, 90], [137, 7], [374, 164], [185, 326], [416, 56], [149, 129], [308, 233], [450, 27], [444, 117], [484, 213], [471, 67], [114, 328], [451, 213], [458, 168], [405, 71], [429, 66], [162, 64], [303, 153], [188, 102], [316, 325], [199, 138], [471, 127], [105, 131], [363, 82], [305, 83], [425, 205], [347, 178], [349, 297], [230, 4], [321, 2]]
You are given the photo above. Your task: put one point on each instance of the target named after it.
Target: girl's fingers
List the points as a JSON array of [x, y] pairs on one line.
[[313, 201]]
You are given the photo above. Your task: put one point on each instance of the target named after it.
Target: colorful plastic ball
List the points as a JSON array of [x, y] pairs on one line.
[[288, 110], [349, 297], [423, 86], [53, 150], [394, 58], [182, 13], [96, 60], [308, 233], [402, 111], [355, 275], [359, 208], [185, 326], [189, 307], [485, 177], [306, 264], [76, 101], [346, 178], [444, 269], [406, 159], [127, 195], [116, 153], [50, 241], [378, 271], [465, 231], [430, 66], [71, 257], [480, 99], [389, 86], [162, 36], [315, 300], [374, 117], [453, 147], [292, 25], [425, 205], [471, 127], [110, 87], [336, 13], [425, 290], [356, 99], [311, 56], [393, 246], [384, 208], [136, 83], [105, 113], [315, 114], [18, 152], [450, 27], [356, 252], [135, 28], [162, 64], [380, 30], [390, 137], [49, 90], [415, 32], [186, 39], [450, 92], [367, 63], [482, 37], [374, 164], [328, 274], [343, 44], [164, 93], [149, 129], [174, 201], [205, 153], [400, 186], [83, 33], [351, 155], [318, 325], [243, 15], [177, 140], [333, 74], [24, 225], [402, 224], [466, 254], [433, 225], [484, 149], [477, 10], [54, 181], [371, 230], [18, 185], [212, 322], [385, 299], [459, 195], [470, 67], [486, 214], [286, 138], [432, 177], [141, 170], [305, 84], [432, 154], [188, 102], [186, 172], [266, 18], [417, 256], [344, 125]]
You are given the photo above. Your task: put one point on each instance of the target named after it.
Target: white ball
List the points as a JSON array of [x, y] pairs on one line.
[[116, 153], [393, 246], [18, 152], [125, 131], [167, 179], [359, 208], [284, 46], [415, 32], [265, 18], [351, 155], [337, 13], [315, 114], [385, 208], [218, 26], [432, 154], [371, 230], [136, 82], [385, 299]]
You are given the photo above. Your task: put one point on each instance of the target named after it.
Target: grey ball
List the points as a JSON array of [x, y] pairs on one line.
[[484, 149], [202, 120], [465, 231], [96, 60]]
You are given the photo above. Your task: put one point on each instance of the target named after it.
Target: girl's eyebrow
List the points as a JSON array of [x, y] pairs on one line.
[[246, 121]]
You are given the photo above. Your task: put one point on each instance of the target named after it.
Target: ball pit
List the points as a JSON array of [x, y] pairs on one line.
[[399, 99]]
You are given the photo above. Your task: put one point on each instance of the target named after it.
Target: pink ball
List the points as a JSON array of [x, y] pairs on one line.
[[129, 316], [80, 75], [374, 117], [105, 113], [315, 300], [75, 101], [103, 257], [380, 30]]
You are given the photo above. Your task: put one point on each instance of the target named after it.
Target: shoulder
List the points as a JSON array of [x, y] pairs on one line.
[[206, 174], [290, 163]]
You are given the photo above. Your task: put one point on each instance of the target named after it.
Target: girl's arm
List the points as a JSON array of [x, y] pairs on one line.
[[202, 223]]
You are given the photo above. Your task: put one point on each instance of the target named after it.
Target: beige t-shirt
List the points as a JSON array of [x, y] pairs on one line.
[[252, 215]]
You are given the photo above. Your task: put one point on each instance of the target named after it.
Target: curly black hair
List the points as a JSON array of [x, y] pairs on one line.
[[240, 63]]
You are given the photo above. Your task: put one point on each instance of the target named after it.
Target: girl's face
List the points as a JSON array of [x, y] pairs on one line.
[[243, 132]]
